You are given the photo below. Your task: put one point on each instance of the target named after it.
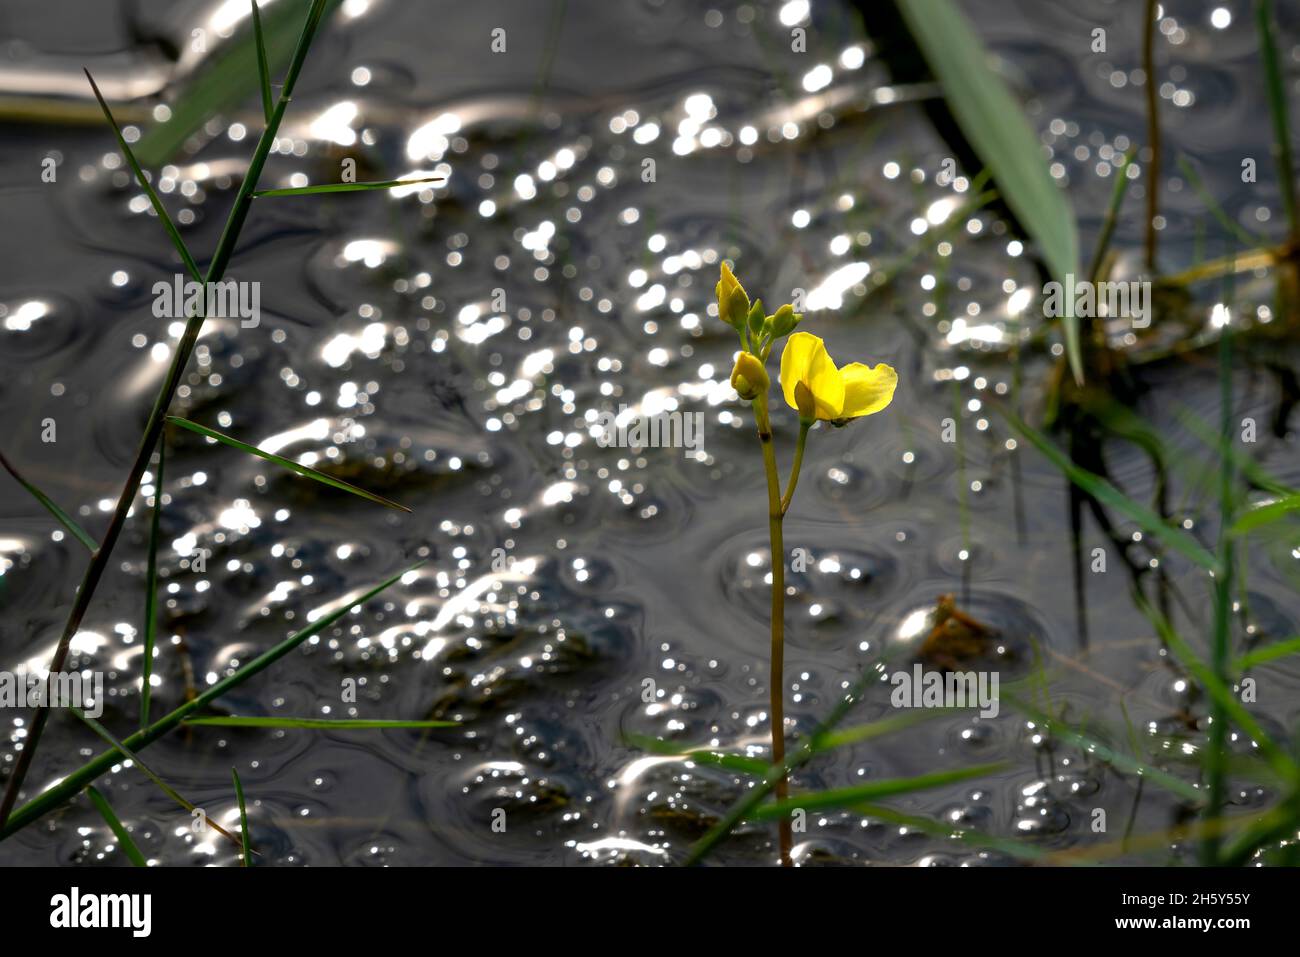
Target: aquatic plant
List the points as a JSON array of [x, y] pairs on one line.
[[818, 391], [101, 550]]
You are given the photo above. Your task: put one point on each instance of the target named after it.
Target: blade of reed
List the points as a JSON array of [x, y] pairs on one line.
[[1243, 236], [74, 782], [1243, 463], [263, 66], [872, 791], [151, 591], [965, 835], [246, 856], [281, 461], [1277, 108], [147, 771], [707, 756], [347, 187], [1112, 215], [1278, 759], [1262, 656], [994, 123], [344, 724], [1108, 495], [1265, 514], [115, 825], [180, 358], [172, 232], [63, 518], [1118, 759]]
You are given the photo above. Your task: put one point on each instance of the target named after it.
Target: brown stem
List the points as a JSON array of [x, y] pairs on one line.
[[1153, 131]]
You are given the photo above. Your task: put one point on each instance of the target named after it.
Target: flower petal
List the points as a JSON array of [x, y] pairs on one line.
[[867, 390], [806, 360]]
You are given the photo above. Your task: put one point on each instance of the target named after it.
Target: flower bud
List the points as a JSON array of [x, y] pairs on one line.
[[749, 378], [785, 320], [755, 319]]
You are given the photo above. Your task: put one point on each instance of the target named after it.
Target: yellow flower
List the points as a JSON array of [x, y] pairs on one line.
[[733, 301], [818, 390]]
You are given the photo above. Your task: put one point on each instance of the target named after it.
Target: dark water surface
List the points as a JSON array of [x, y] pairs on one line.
[[386, 354]]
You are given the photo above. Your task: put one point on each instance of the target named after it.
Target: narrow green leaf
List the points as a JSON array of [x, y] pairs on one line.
[[148, 772], [143, 180], [347, 187], [247, 851], [63, 518], [115, 825], [1278, 105], [995, 125], [1262, 656], [55, 795], [263, 67], [872, 791], [1265, 514], [1248, 239], [1111, 497], [1112, 215], [151, 589], [1117, 759], [965, 835], [328, 724], [706, 756], [280, 460], [1278, 759], [226, 80]]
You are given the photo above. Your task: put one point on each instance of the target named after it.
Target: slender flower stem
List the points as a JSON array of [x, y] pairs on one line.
[[775, 514], [184, 349], [804, 426]]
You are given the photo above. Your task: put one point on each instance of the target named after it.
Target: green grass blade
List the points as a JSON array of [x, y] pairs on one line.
[[1243, 463], [148, 772], [1222, 695], [1243, 236], [995, 125], [328, 724], [1265, 514], [246, 855], [263, 66], [1113, 498], [289, 464], [143, 180], [1262, 656], [1117, 759], [151, 590], [872, 791], [74, 782], [115, 825], [706, 756], [63, 518], [1277, 108], [348, 187], [965, 835], [224, 83], [1112, 215]]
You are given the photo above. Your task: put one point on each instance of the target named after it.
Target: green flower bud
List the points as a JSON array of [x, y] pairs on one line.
[[785, 320], [756, 319]]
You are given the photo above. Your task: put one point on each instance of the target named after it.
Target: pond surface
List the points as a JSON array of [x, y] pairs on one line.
[[450, 350]]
